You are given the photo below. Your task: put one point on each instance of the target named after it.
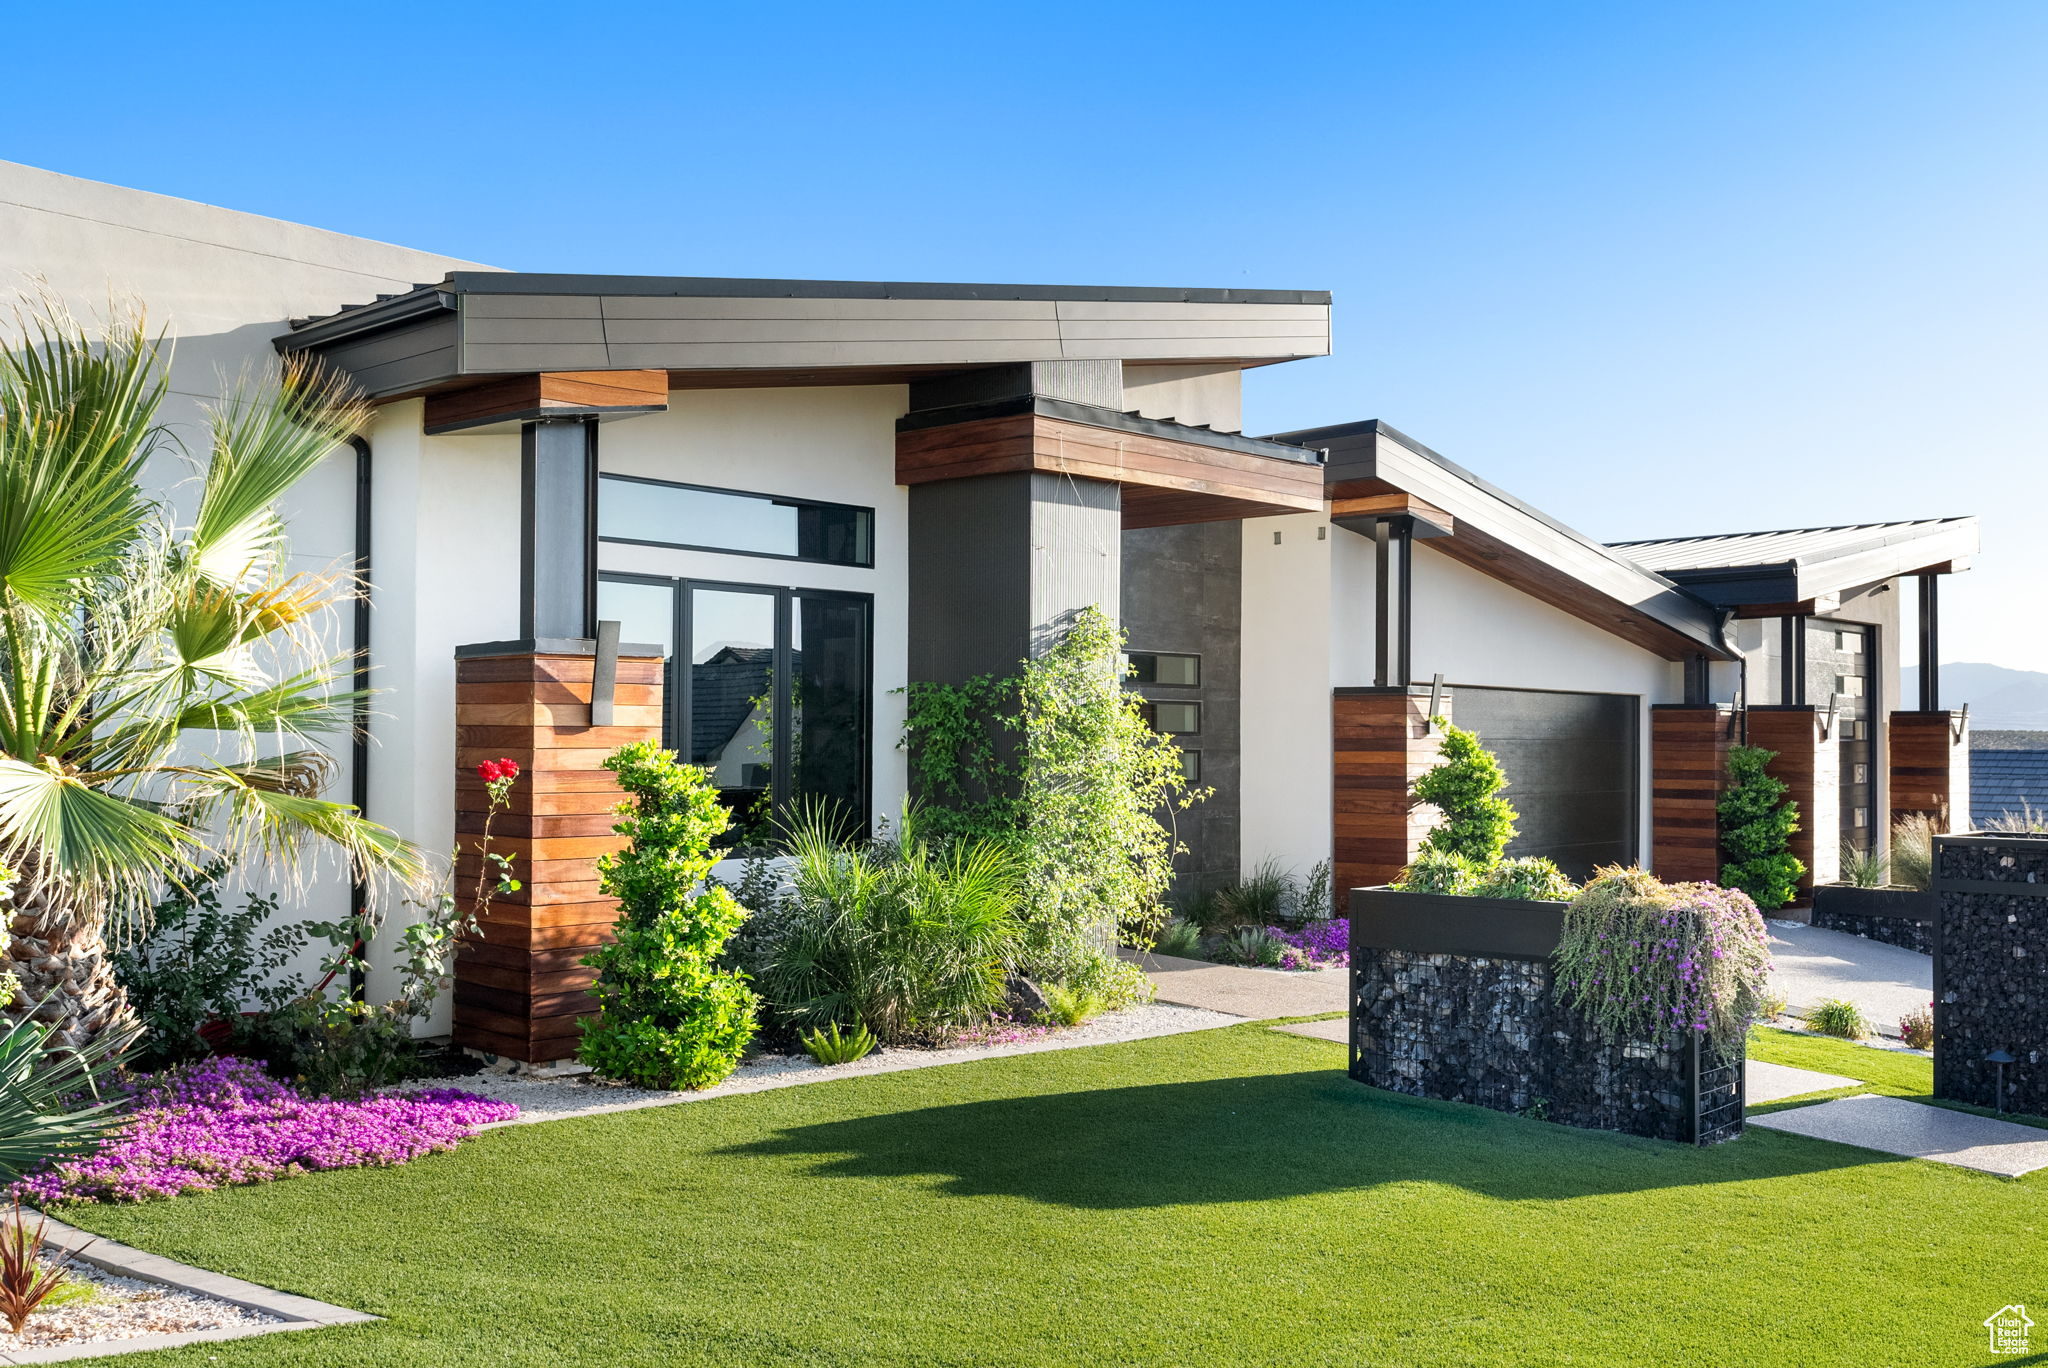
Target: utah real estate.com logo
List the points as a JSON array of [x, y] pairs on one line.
[[2008, 1327]]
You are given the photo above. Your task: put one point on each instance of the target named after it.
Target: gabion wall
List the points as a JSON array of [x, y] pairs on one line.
[[1991, 975], [1464, 1028]]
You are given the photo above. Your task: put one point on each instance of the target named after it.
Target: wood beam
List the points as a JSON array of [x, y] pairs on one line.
[[1182, 482], [547, 394]]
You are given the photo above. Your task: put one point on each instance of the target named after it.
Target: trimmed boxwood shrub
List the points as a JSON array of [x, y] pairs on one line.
[[1757, 822], [668, 1016], [1465, 787]]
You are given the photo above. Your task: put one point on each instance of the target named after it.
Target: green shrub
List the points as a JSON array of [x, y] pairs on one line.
[[1838, 1017], [1529, 878], [1262, 897], [1059, 764], [912, 938], [1070, 1006], [1641, 958], [829, 1045], [199, 962], [1181, 938], [668, 1015], [1913, 850], [1757, 823], [1465, 787], [1438, 871]]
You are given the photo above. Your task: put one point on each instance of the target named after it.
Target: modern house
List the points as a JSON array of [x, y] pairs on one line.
[[741, 515]]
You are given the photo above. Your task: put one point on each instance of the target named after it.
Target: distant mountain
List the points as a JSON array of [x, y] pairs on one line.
[[1999, 698]]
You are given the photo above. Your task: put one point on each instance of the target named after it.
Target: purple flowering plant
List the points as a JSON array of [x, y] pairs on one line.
[[1640, 958], [1317, 945], [225, 1122]]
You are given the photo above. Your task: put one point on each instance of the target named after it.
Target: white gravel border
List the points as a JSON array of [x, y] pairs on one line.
[[286, 1311], [560, 1099]]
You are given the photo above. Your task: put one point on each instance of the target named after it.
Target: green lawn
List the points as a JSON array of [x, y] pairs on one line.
[[1222, 1198]]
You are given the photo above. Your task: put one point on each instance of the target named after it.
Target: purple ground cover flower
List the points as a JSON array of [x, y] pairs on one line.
[[1318, 944], [224, 1121]]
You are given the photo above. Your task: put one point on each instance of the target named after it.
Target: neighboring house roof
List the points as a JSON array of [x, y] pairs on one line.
[[722, 693], [1498, 534], [1743, 569], [483, 323], [2008, 773]]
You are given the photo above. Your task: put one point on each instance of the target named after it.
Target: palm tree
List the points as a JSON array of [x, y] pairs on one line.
[[161, 685]]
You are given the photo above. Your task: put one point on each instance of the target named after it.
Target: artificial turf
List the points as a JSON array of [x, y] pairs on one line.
[[1226, 1197]]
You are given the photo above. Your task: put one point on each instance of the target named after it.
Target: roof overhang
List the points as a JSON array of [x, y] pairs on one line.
[[1802, 570], [478, 325], [1497, 534]]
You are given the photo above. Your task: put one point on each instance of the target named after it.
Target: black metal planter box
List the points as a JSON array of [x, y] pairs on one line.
[[1451, 999], [1894, 916], [1991, 975]]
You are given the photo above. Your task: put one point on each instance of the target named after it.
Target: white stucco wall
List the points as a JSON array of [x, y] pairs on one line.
[[1308, 628], [1284, 792], [222, 284], [832, 443]]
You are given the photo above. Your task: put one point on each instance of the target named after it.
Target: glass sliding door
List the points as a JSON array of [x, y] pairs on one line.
[[770, 690], [828, 749], [733, 698]]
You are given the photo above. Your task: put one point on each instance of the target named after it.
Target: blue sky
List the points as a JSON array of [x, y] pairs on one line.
[[1660, 269]]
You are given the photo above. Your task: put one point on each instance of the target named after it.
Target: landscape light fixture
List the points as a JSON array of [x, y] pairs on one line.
[[2001, 1059]]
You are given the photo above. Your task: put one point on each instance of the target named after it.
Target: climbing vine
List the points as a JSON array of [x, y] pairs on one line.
[[1059, 763]]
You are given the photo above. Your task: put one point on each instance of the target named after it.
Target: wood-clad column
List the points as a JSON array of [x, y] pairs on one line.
[[519, 988], [1810, 766], [1930, 766], [1688, 774], [1383, 743]]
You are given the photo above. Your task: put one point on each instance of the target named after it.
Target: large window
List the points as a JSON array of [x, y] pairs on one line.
[[662, 513], [769, 689]]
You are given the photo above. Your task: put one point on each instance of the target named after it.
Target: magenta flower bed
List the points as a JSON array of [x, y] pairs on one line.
[[1316, 945], [225, 1122]]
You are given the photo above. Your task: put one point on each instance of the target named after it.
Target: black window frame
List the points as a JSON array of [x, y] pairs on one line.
[[1134, 681], [677, 683], [597, 518]]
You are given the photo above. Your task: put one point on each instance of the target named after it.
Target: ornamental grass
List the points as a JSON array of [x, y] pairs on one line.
[[1640, 958], [225, 1122]]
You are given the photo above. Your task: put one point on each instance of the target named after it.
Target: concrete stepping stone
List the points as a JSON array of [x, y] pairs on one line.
[[1762, 1082], [1893, 1125], [1250, 993], [1337, 1029]]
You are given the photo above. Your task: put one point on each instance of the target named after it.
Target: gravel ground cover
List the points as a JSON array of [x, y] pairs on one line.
[[125, 1308], [556, 1099]]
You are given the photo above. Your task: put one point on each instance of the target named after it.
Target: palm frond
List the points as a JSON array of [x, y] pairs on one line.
[[40, 1089], [268, 807], [99, 841], [77, 424], [264, 440]]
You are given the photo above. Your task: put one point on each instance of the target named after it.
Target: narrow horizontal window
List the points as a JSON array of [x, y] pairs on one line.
[[660, 513], [1175, 719], [1157, 667]]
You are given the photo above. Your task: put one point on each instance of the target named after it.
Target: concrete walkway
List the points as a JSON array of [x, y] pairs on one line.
[[1892, 1125], [1765, 1082], [1884, 980], [1252, 993]]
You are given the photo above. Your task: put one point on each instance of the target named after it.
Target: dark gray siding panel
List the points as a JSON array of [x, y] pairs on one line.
[[1182, 594], [1572, 766], [402, 359]]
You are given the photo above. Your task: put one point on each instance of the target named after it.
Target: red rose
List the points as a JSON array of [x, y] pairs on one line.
[[488, 771], [508, 769]]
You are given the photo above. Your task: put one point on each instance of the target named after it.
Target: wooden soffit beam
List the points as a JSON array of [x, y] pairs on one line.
[[1165, 481], [547, 394]]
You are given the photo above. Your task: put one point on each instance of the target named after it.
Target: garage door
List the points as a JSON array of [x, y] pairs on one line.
[[1571, 765]]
